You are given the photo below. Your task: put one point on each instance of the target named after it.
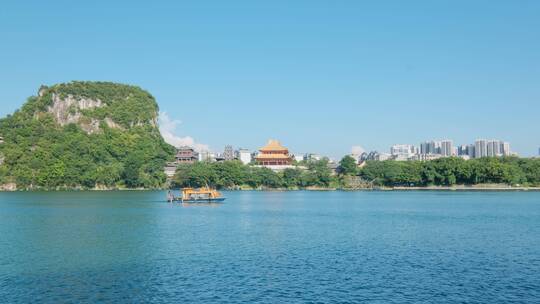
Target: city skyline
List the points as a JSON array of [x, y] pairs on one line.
[[426, 150], [320, 77]]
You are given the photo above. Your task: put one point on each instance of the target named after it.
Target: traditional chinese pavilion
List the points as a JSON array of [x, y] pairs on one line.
[[274, 154]]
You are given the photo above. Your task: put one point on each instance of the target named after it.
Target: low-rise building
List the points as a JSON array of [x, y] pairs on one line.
[[170, 169], [313, 157], [425, 157], [334, 167], [298, 157], [402, 152], [374, 155], [243, 155], [186, 155], [465, 157], [383, 157], [218, 157], [206, 156]]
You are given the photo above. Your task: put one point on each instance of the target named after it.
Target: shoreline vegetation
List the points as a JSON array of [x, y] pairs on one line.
[[445, 174], [479, 188]]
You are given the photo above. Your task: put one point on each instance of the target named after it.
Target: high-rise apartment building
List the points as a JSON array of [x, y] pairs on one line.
[[447, 148], [505, 149], [430, 147], [462, 150], [480, 148], [470, 150]]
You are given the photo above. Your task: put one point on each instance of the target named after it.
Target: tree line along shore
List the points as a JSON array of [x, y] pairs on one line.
[[492, 173]]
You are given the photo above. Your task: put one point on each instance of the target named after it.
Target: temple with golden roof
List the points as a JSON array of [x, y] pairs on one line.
[[274, 154]]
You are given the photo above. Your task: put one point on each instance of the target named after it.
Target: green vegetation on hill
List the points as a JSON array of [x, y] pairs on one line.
[[125, 105], [40, 153]]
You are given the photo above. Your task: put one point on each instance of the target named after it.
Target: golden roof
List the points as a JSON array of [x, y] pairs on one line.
[[273, 145]]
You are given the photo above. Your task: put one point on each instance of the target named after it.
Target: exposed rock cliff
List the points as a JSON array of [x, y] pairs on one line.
[[84, 134], [68, 110], [93, 105]]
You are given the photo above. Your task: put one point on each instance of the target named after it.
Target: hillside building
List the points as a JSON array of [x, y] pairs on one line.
[[186, 155], [170, 170]]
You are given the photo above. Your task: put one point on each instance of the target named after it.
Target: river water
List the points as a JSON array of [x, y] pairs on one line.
[[271, 247]]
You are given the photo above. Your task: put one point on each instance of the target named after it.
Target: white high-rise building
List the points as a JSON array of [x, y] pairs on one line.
[[491, 148], [447, 148], [480, 148], [505, 149], [430, 147], [494, 148], [437, 147], [424, 148]]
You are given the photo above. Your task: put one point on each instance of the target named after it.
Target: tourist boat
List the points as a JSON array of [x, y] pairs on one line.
[[199, 195]]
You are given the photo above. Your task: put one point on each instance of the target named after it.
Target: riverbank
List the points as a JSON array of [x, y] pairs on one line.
[[481, 187], [467, 188]]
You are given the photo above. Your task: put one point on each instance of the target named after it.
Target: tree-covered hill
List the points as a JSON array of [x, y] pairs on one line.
[[84, 135]]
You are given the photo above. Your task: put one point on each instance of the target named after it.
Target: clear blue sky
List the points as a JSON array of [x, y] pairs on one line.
[[320, 76]]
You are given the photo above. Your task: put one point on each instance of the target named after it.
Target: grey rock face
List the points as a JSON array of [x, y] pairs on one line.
[[68, 110]]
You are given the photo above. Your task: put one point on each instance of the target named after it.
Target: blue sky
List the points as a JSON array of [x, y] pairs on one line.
[[321, 76]]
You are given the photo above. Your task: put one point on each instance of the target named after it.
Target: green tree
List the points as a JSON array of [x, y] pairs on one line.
[[347, 165]]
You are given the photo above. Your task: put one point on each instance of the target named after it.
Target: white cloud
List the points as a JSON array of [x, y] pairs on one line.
[[357, 150], [168, 126]]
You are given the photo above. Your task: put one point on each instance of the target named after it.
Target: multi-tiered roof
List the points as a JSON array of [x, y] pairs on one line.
[[274, 154]]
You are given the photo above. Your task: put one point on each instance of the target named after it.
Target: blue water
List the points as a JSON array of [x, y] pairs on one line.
[[271, 247]]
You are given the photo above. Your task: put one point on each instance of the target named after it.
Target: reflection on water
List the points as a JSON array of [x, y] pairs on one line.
[[268, 247]]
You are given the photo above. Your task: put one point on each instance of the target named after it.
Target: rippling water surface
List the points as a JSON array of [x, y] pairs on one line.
[[271, 247]]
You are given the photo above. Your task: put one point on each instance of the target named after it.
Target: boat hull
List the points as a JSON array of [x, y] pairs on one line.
[[206, 200]]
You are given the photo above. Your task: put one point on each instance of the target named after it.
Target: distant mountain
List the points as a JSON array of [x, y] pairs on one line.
[[84, 135]]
